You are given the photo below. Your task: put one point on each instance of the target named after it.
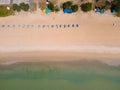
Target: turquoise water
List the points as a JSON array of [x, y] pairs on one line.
[[62, 76]]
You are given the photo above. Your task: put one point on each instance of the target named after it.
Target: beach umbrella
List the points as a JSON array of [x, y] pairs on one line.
[[48, 10], [102, 11]]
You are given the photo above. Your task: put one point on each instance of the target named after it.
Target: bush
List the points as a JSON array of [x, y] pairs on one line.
[[16, 7], [107, 5], [74, 8], [115, 2], [51, 6], [116, 6], [4, 12], [86, 7], [24, 6], [118, 14], [57, 8], [67, 5]]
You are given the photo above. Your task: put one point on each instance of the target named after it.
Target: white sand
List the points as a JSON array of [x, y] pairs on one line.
[[96, 34]]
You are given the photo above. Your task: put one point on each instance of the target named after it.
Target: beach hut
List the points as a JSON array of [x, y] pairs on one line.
[[67, 10]]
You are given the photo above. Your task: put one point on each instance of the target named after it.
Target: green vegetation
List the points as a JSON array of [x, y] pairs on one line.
[[20, 7], [16, 7], [118, 14], [74, 8], [116, 6], [24, 6], [86, 7], [51, 6], [4, 11], [113, 5], [67, 5], [109, 5]]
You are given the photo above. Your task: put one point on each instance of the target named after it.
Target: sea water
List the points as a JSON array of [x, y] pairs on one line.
[[60, 76]]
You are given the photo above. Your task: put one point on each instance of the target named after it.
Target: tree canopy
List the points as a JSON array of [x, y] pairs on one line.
[[51, 6], [116, 6], [67, 5], [24, 6], [86, 7], [20, 7], [4, 11], [74, 8], [16, 7]]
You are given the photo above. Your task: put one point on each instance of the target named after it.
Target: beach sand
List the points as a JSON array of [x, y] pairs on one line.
[[98, 37]]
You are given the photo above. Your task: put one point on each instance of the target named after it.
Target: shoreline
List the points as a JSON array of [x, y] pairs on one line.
[[58, 56], [100, 49]]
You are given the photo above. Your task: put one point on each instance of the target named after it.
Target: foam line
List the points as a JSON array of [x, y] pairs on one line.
[[94, 49]]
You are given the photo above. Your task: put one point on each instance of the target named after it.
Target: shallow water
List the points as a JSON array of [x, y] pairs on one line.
[[60, 76]]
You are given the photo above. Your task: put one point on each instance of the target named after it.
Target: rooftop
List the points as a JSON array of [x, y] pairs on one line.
[[13, 1]]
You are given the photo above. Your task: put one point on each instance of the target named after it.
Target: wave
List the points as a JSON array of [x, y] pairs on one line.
[[9, 63]]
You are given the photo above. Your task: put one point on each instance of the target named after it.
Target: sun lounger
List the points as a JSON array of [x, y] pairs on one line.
[[38, 26], [68, 25], [43, 26], [64, 26], [56, 26], [77, 25], [13, 26], [3, 26], [32, 26], [27, 26], [72, 25], [8, 26], [19, 26], [60, 26], [52, 26], [23, 26]]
